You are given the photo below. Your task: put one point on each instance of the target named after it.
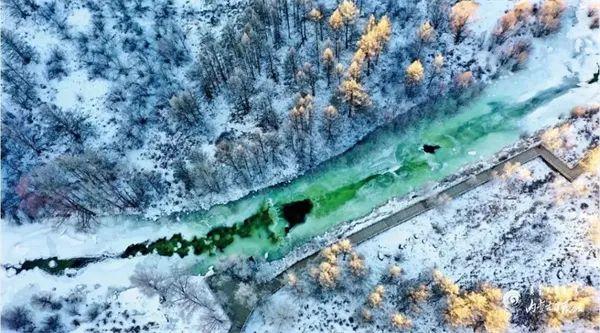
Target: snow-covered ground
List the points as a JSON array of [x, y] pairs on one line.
[[494, 233], [515, 235], [88, 95], [570, 52], [102, 298], [571, 141]]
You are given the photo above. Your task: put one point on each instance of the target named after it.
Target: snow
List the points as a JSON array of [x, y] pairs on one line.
[[578, 137], [573, 51], [80, 19], [77, 90], [102, 283], [33, 241], [486, 17], [496, 233]]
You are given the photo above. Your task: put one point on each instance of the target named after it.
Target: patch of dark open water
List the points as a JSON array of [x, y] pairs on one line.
[[295, 212]]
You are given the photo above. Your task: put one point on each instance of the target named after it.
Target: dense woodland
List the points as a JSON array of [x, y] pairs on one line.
[[207, 103]]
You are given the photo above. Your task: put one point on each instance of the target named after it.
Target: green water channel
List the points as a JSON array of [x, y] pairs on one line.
[[387, 164]]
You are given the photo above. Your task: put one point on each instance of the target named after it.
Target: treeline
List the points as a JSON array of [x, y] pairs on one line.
[[281, 87]]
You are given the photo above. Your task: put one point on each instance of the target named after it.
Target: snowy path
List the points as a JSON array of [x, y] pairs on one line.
[[239, 313]]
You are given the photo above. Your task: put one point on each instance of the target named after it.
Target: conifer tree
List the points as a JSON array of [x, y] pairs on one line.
[[331, 114], [400, 321], [336, 22], [316, 16], [426, 32], [339, 71], [349, 13], [549, 15], [461, 13], [415, 73], [328, 62], [355, 67], [354, 94]]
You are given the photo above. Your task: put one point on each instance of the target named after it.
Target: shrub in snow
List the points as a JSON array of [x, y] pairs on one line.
[[461, 13], [326, 274], [506, 24], [514, 175], [464, 80], [555, 138], [395, 272], [478, 309], [53, 324], [151, 281], [593, 9], [594, 230], [46, 301], [366, 314], [595, 21], [344, 245], [549, 16], [523, 9], [591, 161], [419, 294], [565, 304], [357, 265], [564, 191], [245, 294], [18, 318], [291, 280], [400, 321], [56, 67], [280, 312], [330, 253], [239, 266], [94, 310], [375, 298], [515, 53], [177, 288], [584, 111], [445, 284], [442, 201]]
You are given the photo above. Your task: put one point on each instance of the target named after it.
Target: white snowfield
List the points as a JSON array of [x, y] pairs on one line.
[[573, 51], [494, 233]]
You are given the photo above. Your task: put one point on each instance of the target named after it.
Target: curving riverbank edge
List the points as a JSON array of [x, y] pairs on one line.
[[464, 182]]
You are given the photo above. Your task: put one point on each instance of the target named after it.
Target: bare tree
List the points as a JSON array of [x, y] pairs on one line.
[[18, 127], [241, 88], [151, 281], [15, 49], [177, 288], [71, 124]]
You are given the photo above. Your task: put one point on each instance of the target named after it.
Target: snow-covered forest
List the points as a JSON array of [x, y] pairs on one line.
[[166, 162], [151, 107]]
